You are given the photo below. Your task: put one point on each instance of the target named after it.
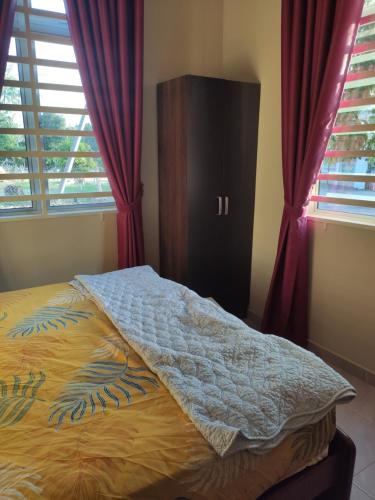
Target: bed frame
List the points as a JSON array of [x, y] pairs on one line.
[[330, 479]]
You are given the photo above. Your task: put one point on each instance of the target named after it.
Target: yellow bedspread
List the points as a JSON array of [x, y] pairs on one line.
[[81, 416]]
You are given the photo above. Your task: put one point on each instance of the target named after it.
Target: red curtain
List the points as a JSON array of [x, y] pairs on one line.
[[108, 40], [7, 8], [317, 38]]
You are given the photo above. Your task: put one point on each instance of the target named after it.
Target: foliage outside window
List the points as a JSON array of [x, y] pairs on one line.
[[346, 183], [49, 158]]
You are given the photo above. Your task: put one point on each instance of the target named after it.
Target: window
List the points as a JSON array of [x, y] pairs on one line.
[[49, 158], [346, 183]]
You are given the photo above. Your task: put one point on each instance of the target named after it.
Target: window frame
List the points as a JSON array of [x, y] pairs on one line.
[[39, 196]]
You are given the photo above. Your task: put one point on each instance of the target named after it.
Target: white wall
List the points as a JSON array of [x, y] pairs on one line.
[[40, 251]]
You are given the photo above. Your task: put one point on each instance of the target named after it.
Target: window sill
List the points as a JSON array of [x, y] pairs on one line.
[[354, 222], [58, 215]]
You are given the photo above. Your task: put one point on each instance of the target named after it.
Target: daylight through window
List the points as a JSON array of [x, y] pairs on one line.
[[49, 158], [346, 182]]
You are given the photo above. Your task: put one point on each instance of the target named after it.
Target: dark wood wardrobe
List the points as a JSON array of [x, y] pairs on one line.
[[207, 130]]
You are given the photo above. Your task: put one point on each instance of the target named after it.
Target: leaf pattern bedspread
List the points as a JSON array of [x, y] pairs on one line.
[[82, 417]]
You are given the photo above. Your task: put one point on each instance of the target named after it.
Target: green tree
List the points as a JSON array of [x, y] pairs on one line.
[[65, 143], [10, 142], [54, 142]]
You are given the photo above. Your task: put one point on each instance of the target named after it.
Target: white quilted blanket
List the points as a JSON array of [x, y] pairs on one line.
[[240, 388]]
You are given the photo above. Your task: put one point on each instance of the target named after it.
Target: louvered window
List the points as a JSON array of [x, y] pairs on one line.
[[49, 159], [346, 183]]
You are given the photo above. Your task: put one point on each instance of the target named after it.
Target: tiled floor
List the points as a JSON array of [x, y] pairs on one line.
[[357, 419]]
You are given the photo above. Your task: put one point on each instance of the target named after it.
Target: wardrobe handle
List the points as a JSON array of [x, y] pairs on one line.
[[226, 209], [220, 205]]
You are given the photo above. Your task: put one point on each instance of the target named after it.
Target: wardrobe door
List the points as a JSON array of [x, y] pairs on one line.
[[239, 157], [204, 178], [172, 179]]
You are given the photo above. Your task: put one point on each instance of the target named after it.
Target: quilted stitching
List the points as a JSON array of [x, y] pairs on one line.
[[241, 389]]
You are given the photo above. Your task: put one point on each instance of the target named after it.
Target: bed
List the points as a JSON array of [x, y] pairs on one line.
[[82, 416]]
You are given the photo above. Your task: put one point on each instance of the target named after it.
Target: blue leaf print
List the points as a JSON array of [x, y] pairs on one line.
[[97, 386], [46, 318], [16, 400]]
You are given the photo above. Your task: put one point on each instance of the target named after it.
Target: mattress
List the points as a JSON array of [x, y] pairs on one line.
[[82, 416]]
